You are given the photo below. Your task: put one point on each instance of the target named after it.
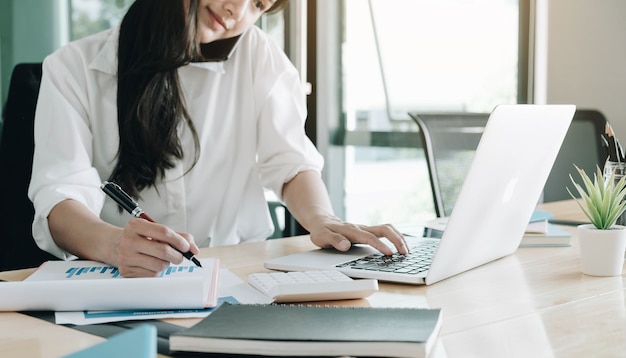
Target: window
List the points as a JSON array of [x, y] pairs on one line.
[[91, 16], [397, 56]]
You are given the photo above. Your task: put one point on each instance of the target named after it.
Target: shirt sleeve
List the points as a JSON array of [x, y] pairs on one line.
[[284, 149], [62, 158]]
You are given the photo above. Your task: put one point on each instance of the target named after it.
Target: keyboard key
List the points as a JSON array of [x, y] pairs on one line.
[[417, 261]]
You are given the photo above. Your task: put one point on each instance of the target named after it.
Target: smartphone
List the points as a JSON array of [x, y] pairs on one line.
[[219, 50]]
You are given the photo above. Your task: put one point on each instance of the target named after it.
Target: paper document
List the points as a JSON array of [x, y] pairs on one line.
[[90, 285], [230, 289]]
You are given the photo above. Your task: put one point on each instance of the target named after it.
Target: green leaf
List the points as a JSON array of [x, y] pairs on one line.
[[602, 201]]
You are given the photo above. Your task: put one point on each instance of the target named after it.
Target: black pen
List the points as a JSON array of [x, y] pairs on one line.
[[124, 200]]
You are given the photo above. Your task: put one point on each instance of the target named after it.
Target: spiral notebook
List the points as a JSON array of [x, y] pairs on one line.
[[504, 182]]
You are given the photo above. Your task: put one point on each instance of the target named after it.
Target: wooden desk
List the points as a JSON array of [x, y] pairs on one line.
[[534, 303]]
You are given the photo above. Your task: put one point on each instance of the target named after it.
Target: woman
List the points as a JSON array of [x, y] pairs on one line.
[[195, 141]]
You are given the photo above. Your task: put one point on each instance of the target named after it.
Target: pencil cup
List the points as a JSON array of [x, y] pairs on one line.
[[619, 169]]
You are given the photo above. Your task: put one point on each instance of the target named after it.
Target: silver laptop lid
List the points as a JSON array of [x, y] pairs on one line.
[[504, 182]]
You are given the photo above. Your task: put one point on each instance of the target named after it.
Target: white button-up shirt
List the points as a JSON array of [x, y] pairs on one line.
[[249, 112]]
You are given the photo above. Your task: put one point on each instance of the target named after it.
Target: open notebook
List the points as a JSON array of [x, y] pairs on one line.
[[503, 184], [89, 285]]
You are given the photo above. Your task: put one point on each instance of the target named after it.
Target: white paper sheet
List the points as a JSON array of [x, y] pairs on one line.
[[230, 289]]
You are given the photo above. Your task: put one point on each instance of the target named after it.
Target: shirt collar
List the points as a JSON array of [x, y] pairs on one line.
[[217, 67], [106, 59]]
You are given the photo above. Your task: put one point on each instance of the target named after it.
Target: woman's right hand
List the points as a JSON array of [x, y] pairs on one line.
[[145, 248], [140, 249]]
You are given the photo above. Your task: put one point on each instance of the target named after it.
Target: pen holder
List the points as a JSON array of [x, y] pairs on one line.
[[619, 169]]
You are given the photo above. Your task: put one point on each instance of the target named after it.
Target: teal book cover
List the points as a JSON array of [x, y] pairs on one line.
[[139, 342], [541, 215]]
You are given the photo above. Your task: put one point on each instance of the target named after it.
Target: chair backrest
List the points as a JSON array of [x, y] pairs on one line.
[[285, 225], [450, 141], [582, 146], [17, 247]]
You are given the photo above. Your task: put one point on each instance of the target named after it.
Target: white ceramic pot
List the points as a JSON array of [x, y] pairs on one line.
[[602, 251]]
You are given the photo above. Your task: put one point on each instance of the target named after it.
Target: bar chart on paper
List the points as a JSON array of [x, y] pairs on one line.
[[98, 272], [92, 272]]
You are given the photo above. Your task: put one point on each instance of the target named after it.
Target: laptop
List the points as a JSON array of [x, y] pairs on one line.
[[501, 189]]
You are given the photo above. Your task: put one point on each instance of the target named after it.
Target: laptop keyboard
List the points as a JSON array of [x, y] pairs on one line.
[[418, 260]]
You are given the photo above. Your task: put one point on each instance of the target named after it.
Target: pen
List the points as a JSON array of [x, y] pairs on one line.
[[116, 193]]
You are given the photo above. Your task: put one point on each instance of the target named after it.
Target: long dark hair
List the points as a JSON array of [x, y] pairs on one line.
[[156, 38]]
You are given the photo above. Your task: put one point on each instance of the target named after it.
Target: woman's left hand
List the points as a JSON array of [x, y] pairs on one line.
[[307, 200]]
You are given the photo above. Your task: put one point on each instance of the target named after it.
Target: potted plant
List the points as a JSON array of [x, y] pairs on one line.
[[602, 243]]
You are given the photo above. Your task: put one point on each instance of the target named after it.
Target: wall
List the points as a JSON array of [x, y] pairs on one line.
[[586, 57], [30, 30], [6, 44]]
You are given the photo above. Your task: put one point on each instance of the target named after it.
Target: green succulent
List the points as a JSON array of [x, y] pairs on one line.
[[603, 199]]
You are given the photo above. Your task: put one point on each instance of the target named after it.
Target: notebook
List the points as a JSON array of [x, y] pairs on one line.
[[321, 331], [139, 342], [501, 189]]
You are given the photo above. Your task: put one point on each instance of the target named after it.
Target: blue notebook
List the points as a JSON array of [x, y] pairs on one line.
[[554, 236], [140, 342]]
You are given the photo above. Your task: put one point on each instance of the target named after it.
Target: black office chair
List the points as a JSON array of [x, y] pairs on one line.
[[582, 146], [17, 246], [285, 225], [450, 140]]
